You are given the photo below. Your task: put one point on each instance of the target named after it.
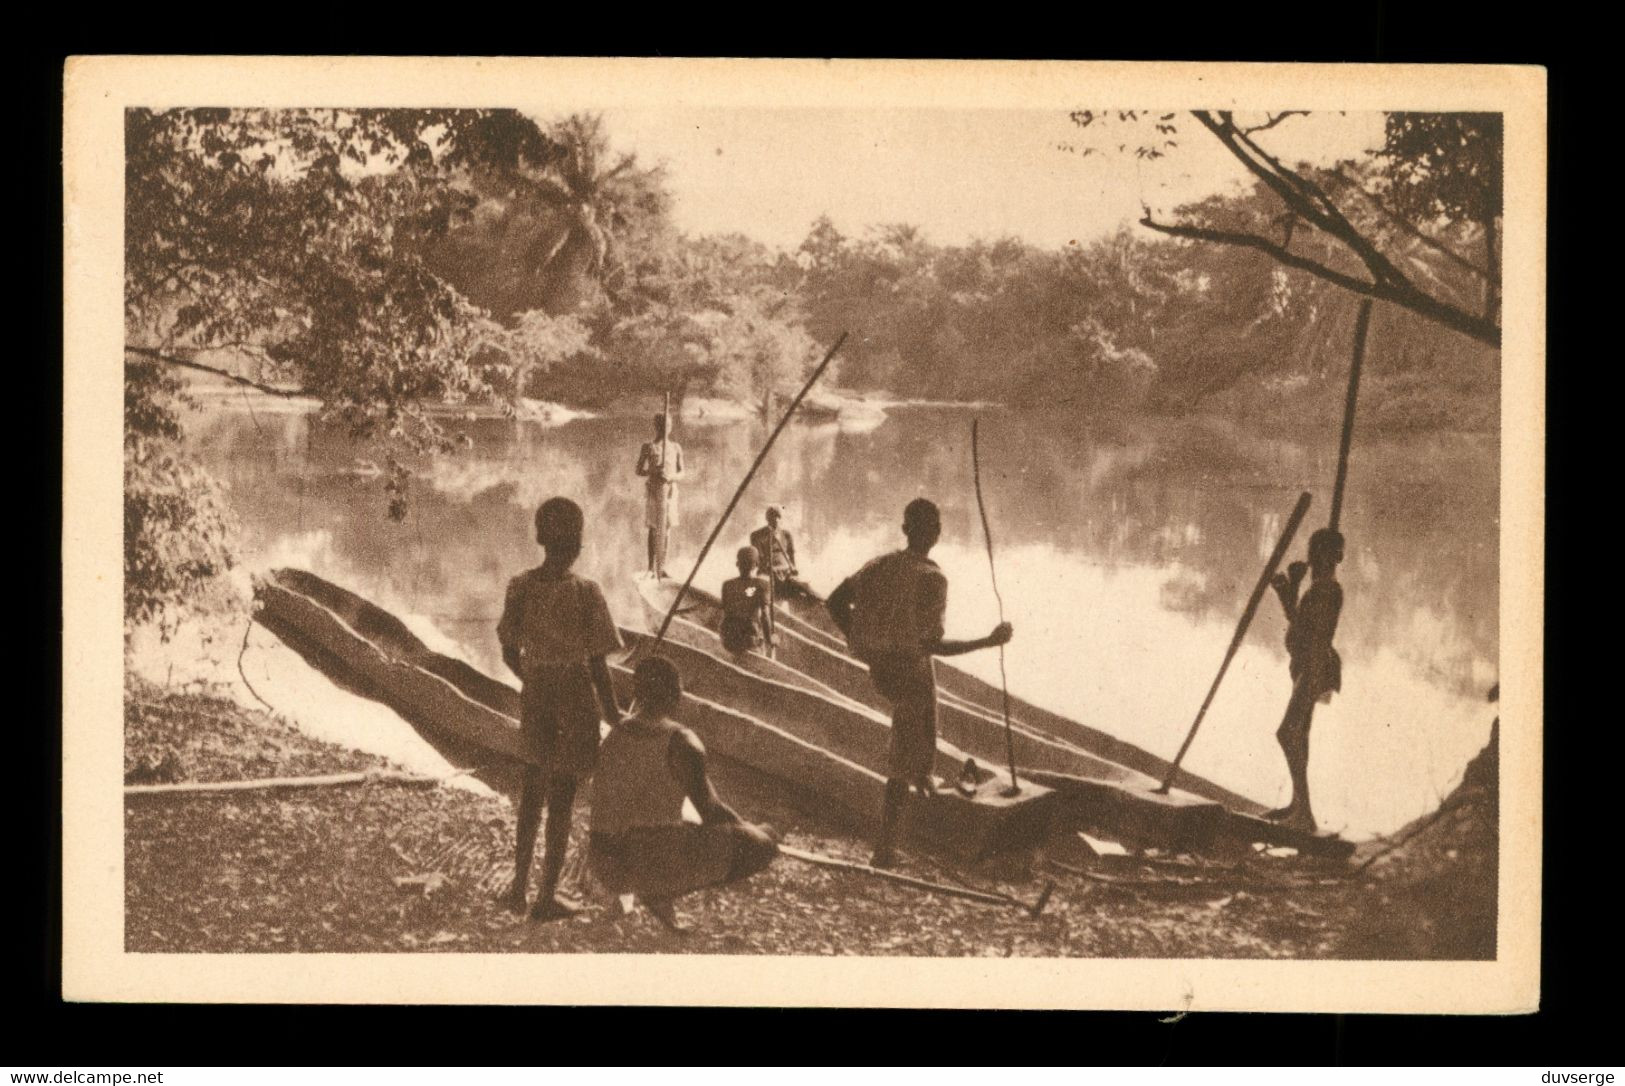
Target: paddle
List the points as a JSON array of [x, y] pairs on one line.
[[676, 602], [987, 537], [1270, 566]]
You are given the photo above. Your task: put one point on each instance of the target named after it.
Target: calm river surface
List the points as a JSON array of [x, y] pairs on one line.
[[1125, 557]]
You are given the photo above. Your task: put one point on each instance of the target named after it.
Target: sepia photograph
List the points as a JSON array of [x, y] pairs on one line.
[[834, 528]]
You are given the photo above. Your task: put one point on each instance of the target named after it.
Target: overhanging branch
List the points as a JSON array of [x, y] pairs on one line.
[[1401, 294], [1412, 230], [184, 363]]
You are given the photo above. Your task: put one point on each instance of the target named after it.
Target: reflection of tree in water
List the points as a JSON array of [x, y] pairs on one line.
[[1204, 504]]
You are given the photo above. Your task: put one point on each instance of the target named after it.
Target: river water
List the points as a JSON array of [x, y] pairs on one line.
[[1125, 555]]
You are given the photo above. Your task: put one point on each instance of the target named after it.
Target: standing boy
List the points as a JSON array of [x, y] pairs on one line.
[[892, 611], [555, 632], [1315, 667], [660, 462], [650, 764]]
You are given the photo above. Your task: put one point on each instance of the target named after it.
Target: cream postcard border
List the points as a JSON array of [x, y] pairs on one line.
[[95, 965]]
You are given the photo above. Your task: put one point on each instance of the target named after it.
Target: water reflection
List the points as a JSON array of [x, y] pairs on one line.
[[1125, 558]]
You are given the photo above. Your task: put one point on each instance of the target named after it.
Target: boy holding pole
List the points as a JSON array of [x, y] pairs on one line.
[[1315, 667]]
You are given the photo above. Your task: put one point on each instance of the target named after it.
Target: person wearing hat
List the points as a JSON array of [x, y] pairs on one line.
[[1315, 667], [639, 843], [777, 551], [746, 625], [660, 464], [892, 612], [555, 631]]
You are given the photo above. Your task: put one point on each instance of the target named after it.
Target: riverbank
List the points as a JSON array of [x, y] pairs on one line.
[[380, 867]]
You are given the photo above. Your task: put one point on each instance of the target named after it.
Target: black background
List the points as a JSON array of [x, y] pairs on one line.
[[1580, 929]]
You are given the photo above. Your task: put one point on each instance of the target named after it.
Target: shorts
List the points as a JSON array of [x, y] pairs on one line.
[[559, 716], [910, 684], [740, 634], [666, 861], [1331, 680]]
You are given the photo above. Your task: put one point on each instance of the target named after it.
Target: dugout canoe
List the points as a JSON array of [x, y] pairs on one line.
[[1108, 784], [472, 719], [808, 617]]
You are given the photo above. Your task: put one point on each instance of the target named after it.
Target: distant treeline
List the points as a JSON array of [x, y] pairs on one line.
[[1126, 323]]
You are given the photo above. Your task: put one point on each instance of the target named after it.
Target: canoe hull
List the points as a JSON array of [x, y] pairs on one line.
[[810, 620], [473, 718]]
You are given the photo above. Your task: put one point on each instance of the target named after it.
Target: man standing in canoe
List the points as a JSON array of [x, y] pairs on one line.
[[660, 463], [892, 612], [648, 765], [1315, 667], [777, 549], [555, 632]]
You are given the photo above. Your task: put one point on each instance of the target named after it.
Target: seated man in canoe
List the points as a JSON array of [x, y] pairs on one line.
[[1314, 665], [555, 632], [648, 765], [747, 621], [777, 550], [892, 611]]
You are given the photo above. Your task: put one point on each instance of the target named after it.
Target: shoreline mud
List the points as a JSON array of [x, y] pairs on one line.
[[375, 867]]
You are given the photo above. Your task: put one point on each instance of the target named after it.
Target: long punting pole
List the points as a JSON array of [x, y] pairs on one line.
[[1276, 555], [987, 537], [1361, 325], [665, 487], [677, 602], [965, 892]]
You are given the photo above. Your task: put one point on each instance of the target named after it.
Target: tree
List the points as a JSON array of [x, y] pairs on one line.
[[1444, 165], [287, 239], [540, 232], [1449, 167]]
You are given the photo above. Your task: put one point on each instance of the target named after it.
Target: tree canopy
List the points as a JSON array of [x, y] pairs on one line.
[[1438, 179]]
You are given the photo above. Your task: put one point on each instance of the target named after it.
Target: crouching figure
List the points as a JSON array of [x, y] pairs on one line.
[[647, 766]]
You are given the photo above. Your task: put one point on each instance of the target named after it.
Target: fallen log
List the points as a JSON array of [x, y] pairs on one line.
[[277, 783]]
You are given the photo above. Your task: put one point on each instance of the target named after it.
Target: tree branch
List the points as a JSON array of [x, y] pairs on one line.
[[1412, 229], [1265, 245], [1401, 294], [1274, 120], [1302, 195], [169, 359]]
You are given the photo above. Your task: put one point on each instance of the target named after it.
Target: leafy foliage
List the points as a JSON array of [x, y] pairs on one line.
[[543, 234], [292, 238], [177, 523]]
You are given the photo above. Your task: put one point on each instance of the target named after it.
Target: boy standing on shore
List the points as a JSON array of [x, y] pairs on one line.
[[1316, 669], [555, 631], [892, 613]]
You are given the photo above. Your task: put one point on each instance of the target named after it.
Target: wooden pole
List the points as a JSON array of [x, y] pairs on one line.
[[677, 601], [276, 784], [772, 601], [1361, 325], [987, 537], [1270, 566], [920, 884], [665, 491]]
